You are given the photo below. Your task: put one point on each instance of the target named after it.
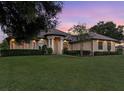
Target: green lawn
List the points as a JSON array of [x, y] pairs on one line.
[[62, 73]]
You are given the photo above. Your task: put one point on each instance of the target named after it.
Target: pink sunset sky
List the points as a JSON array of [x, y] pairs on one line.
[[89, 12]]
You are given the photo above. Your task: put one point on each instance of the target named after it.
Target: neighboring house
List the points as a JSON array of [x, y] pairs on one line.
[[58, 40]]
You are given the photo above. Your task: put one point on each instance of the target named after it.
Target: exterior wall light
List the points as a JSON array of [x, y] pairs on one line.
[[33, 41], [13, 40]]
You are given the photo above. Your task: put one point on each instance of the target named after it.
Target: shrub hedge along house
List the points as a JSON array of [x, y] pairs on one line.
[[59, 40]]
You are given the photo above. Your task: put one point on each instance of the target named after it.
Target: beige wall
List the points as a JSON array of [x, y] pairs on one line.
[[118, 44], [31, 45], [21, 46], [95, 46], [88, 46], [76, 46]]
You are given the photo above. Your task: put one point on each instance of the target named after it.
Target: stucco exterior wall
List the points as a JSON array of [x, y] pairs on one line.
[[113, 46], [95, 46], [76, 46], [88, 45], [32, 44]]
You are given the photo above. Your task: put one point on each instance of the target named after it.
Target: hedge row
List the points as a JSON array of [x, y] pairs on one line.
[[77, 53], [105, 53], [88, 53], [20, 52]]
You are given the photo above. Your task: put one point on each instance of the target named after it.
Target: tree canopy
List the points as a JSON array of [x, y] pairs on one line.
[[23, 20], [81, 32], [108, 29], [79, 29]]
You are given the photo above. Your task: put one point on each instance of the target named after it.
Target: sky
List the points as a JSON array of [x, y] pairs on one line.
[[88, 12]]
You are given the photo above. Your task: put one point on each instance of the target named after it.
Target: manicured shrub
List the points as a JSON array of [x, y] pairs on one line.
[[65, 50], [44, 49], [105, 53], [77, 53], [50, 51], [88, 53], [4, 45], [120, 50], [39, 47], [20, 52]]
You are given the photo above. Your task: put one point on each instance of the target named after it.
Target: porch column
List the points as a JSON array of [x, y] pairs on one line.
[[51, 43], [52, 46], [61, 45]]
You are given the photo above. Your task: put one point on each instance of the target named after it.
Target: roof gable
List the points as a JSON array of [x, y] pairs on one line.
[[55, 32]]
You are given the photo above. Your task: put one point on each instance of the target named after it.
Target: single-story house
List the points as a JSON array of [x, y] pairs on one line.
[[58, 40]]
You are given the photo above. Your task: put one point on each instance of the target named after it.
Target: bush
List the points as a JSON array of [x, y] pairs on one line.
[[4, 45], [65, 50], [120, 50], [50, 51], [20, 52], [77, 53], [26, 52], [44, 49], [39, 47], [105, 53], [88, 53]]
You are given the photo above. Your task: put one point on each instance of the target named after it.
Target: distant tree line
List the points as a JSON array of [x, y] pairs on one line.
[[109, 29]]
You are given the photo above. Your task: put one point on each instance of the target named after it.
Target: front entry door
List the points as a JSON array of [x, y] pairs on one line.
[[56, 45]]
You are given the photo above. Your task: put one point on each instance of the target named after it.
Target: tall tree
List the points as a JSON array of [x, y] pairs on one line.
[[81, 32], [24, 20], [108, 29]]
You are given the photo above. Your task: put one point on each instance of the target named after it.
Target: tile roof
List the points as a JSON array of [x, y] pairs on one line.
[[74, 38], [55, 32], [93, 35]]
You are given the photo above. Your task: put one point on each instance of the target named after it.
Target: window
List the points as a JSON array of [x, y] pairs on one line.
[[100, 45], [109, 46]]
